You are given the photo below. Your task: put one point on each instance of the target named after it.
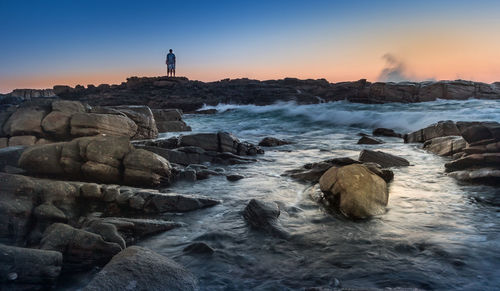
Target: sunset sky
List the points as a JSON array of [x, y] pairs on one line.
[[44, 43]]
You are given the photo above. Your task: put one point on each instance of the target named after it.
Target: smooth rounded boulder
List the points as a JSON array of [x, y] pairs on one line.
[[358, 192]]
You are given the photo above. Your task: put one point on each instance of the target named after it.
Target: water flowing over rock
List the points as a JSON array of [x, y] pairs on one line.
[[384, 159], [264, 215], [140, 268], [355, 190]]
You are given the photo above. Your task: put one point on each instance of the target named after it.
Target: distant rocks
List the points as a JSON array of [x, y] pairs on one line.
[[272, 142], [142, 269], [386, 132], [179, 92], [369, 140]]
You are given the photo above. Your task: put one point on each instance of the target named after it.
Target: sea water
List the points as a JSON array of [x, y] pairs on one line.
[[437, 233]]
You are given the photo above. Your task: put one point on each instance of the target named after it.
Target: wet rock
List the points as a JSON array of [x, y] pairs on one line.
[[446, 145], [474, 161], [107, 231], [173, 126], [369, 140], [89, 124], [145, 168], [484, 176], [272, 142], [28, 269], [137, 267], [383, 159], [473, 132], [264, 216], [355, 190], [199, 248], [156, 202], [234, 177], [132, 229], [313, 171], [442, 128], [493, 147], [385, 174], [81, 249], [386, 132]]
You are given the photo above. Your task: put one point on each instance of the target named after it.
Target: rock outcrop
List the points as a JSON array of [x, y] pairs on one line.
[[140, 268], [48, 121], [103, 159], [473, 146], [356, 191], [179, 92]]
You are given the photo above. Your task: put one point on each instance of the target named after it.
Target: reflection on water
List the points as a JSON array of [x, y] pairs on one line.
[[437, 234]]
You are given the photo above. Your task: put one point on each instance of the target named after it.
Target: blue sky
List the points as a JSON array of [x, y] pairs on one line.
[[51, 42]]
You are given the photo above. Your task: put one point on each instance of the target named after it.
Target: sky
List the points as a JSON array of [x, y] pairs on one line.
[[45, 43]]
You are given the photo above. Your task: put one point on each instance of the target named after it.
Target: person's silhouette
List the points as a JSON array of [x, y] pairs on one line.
[[170, 64]]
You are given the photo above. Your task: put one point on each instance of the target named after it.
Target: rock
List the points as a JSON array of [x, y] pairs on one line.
[[173, 126], [4, 142], [446, 145], [199, 248], [18, 199], [484, 176], [369, 140], [10, 156], [493, 147], [107, 150], [313, 171], [22, 140], [167, 114], [67, 106], [91, 191], [143, 117], [357, 192], [383, 159], [205, 174], [473, 132], [156, 202], [101, 173], [90, 124], [107, 231], [234, 177], [264, 215], [57, 124], [28, 269], [386, 132], [4, 116], [137, 267], [42, 159], [474, 161], [206, 141], [385, 174], [81, 249], [272, 142], [26, 121], [442, 128], [133, 229], [145, 168]]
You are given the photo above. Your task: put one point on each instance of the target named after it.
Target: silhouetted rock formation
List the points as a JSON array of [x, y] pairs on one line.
[[179, 92]]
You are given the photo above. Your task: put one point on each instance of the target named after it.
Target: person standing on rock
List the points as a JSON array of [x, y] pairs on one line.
[[170, 64]]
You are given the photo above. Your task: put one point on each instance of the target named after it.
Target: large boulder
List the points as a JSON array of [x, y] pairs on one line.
[[442, 128], [26, 121], [81, 249], [142, 269], [474, 161], [143, 117], [355, 190], [383, 159], [484, 175], [89, 124], [264, 215], [474, 132], [172, 126], [56, 124], [206, 141], [42, 159], [28, 269], [386, 132], [445, 145]]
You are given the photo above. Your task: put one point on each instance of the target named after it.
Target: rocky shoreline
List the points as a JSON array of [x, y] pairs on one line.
[[83, 180], [188, 95]]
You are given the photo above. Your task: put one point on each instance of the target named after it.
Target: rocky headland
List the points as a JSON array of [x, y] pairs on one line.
[[84, 176]]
